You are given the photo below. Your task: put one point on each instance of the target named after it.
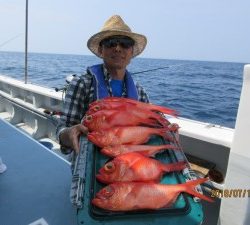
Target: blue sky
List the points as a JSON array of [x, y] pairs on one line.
[[214, 30]]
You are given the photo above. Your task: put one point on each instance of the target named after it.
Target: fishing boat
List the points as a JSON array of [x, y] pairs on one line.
[[38, 174], [35, 187]]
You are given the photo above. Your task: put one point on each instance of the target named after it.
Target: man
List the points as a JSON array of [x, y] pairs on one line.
[[116, 44]]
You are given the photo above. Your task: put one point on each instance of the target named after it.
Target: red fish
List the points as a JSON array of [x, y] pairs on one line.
[[129, 196], [126, 135], [114, 102], [146, 150], [105, 119], [134, 166], [98, 120]]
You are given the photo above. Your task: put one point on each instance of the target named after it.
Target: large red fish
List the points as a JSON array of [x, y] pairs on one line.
[[105, 119], [146, 150], [134, 166], [126, 135], [114, 102], [128, 196]]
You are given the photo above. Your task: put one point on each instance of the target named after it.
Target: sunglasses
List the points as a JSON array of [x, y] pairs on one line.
[[124, 42]]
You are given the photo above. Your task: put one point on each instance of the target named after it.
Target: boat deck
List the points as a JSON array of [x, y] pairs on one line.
[[35, 187]]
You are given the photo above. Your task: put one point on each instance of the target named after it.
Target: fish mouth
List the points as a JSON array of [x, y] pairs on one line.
[[99, 196], [97, 202], [91, 137], [106, 152], [94, 140], [101, 178]]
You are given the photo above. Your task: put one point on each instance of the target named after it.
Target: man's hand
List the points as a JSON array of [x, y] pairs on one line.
[[70, 136]]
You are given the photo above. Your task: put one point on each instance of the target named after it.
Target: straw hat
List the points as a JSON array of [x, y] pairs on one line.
[[116, 26]]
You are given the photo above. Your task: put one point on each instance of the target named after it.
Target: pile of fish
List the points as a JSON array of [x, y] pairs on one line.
[[121, 127]]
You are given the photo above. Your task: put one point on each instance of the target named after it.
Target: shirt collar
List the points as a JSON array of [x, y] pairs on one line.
[[108, 79], [107, 76]]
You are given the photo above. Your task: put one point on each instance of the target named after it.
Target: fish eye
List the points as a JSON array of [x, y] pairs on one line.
[[109, 167], [97, 107], [88, 118]]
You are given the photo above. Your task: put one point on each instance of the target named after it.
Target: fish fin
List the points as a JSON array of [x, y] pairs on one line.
[[189, 187], [151, 106], [148, 153], [174, 166], [111, 116], [123, 100], [165, 110], [123, 168], [100, 178]]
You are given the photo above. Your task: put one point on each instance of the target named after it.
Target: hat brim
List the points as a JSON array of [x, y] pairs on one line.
[[94, 41]]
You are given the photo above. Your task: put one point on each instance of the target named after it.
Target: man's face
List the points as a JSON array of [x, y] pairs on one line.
[[116, 51]]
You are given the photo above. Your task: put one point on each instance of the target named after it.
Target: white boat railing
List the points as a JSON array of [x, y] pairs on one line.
[[30, 107]]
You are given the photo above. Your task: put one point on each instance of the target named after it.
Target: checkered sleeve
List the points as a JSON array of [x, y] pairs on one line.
[[75, 103]]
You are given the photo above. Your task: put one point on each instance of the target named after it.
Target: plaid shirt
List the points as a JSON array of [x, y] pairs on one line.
[[80, 93]]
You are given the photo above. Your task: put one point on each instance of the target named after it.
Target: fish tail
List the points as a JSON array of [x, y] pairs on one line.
[[189, 187], [174, 166], [160, 119], [164, 133], [165, 110], [172, 147]]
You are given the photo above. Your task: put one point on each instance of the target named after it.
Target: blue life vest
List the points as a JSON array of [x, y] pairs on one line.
[[101, 90], [117, 87]]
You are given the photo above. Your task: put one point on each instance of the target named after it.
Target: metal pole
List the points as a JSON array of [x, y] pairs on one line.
[[26, 44]]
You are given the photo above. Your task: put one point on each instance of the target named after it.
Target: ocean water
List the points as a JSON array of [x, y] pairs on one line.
[[198, 90]]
